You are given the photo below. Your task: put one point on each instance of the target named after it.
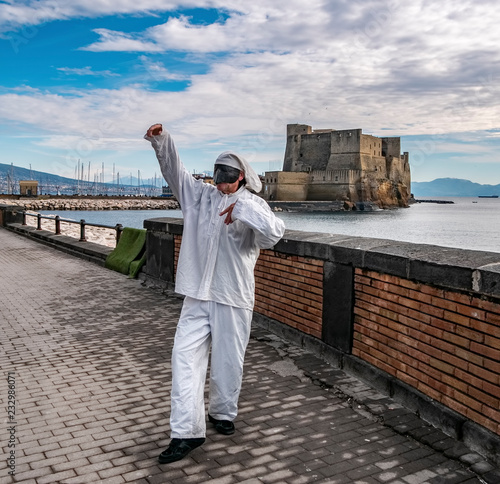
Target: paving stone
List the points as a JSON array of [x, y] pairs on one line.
[[491, 477], [57, 477], [91, 351]]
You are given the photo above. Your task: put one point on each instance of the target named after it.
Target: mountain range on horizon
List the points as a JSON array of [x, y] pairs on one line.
[[440, 187], [453, 187]]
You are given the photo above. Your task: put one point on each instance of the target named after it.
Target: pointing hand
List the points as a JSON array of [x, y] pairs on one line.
[[228, 212]]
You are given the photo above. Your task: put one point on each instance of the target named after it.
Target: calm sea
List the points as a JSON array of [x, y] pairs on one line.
[[468, 223]]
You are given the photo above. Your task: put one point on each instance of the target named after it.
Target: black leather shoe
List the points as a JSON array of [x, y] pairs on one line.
[[178, 449], [225, 427]]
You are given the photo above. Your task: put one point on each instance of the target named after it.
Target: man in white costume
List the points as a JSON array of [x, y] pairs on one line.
[[225, 226]]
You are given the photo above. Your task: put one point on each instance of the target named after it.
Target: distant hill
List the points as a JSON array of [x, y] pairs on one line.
[[452, 187], [53, 184]]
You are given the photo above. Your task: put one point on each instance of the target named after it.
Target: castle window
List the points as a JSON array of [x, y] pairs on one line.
[[336, 178]]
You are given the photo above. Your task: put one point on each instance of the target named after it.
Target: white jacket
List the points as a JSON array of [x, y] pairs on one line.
[[216, 261]]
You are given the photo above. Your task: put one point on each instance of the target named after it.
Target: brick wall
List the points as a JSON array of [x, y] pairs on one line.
[[289, 289], [445, 344]]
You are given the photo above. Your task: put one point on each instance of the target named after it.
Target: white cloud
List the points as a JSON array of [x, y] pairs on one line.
[[120, 42], [86, 71], [18, 14], [158, 72], [273, 26]]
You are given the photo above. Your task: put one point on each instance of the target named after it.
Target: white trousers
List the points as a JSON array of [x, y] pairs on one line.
[[227, 330]]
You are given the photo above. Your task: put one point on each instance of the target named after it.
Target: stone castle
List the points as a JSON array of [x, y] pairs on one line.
[[347, 165]]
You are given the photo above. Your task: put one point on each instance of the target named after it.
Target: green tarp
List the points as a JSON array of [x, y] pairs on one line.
[[130, 253]]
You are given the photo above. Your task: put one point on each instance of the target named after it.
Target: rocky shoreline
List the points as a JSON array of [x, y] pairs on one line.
[[92, 203]]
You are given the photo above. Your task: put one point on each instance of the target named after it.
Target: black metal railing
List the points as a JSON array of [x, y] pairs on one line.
[[118, 227]]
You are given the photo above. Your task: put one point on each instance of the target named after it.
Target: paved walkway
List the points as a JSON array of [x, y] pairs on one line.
[[87, 352]]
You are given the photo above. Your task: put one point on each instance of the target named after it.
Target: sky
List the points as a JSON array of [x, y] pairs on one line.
[[81, 81]]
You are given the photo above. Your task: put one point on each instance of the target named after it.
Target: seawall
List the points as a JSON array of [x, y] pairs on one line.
[[89, 203], [419, 323], [316, 206]]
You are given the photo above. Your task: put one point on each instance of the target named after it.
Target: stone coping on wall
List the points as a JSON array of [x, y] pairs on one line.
[[458, 269]]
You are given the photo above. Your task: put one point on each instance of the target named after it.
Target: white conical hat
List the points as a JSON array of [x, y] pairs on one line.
[[230, 158]]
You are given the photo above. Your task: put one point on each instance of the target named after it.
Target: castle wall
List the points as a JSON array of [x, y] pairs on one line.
[[292, 153], [345, 141], [373, 165], [334, 185], [397, 169], [370, 145], [289, 186], [344, 161], [294, 134], [315, 150], [298, 129], [391, 147]]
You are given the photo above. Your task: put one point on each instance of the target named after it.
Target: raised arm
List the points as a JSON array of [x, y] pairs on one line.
[[178, 178]]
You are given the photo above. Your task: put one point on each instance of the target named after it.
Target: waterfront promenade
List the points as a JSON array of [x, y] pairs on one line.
[[86, 353]]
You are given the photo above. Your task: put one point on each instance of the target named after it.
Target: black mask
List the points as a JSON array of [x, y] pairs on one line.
[[225, 174]]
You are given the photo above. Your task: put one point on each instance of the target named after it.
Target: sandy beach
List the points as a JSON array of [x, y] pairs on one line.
[[98, 235]]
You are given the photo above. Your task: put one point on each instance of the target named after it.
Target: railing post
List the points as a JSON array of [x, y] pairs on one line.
[[58, 225], [82, 231], [118, 228], [24, 218], [39, 222]]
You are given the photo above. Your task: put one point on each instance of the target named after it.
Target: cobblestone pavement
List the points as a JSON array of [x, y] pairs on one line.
[[87, 353]]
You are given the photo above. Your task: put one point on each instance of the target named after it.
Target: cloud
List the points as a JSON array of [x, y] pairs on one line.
[[120, 42], [20, 14], [86, 71], [273, 26], [158, 72]]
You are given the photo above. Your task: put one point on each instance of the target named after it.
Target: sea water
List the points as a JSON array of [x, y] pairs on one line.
[[468, 223]]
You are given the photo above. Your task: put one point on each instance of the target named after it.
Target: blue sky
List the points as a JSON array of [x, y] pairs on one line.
[[82, 80]]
